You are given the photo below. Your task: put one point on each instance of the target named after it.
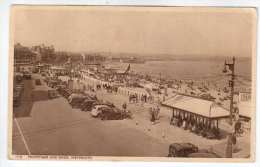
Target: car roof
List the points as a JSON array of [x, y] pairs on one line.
[[89, 100], [100, 106]]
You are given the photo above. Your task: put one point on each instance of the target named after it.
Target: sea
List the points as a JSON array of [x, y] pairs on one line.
[[186, 69]]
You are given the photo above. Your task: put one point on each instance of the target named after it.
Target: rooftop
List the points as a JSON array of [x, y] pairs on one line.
[[198, 106]]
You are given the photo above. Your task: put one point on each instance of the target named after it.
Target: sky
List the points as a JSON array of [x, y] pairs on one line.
[[143, 30]]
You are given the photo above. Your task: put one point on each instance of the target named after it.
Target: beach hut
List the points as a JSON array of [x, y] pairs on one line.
[[58, 70], [197, 110], [245, 110]]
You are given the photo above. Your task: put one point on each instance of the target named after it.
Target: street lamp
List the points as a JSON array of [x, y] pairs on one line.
[[231, 67]]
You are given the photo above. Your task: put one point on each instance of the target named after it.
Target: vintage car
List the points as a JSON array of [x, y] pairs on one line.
[[17, 93], [19, 87], [104, 103], [16, 99], [27, 75], [64, 92], [109, 113], [75, 100], [52, 83], [52, 94], [207, 96], [87, 105], [213, 134], [98, 109], [18, 77], [115, 114], [182, 149], [203, 155], [38, 82]]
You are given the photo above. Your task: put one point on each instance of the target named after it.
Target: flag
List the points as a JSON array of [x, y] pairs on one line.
[[128, 69], [68, 60]]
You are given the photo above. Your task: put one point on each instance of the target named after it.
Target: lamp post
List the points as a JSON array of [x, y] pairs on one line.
[[159, 88], [70, 81], [231, 67]]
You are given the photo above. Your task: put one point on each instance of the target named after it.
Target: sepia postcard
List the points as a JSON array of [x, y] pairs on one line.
[[124, 83]]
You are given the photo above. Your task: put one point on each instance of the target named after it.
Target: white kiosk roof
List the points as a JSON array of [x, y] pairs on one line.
[[197, 106]]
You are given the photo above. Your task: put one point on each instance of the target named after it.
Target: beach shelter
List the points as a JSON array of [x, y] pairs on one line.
[[205, 111]]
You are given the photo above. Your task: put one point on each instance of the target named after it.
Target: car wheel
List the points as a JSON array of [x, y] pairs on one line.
[[172, 152], [102, 117]]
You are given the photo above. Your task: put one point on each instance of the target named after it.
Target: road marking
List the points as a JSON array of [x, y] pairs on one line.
[[24, 141]]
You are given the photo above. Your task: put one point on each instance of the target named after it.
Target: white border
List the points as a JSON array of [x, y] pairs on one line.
[[4, 49]]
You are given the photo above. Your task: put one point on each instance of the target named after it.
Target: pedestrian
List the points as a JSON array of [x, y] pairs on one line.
[[230, 142], [157, 111], [136, 98], [238, 128], [142, 100], [152, 114], [184, 124], [129, 98], [124, 106]]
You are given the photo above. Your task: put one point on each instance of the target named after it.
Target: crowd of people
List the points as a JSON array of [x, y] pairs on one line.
[[197, 126]]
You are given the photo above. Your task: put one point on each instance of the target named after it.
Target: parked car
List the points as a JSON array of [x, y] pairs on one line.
[[104, 103], [77, 101], [64, 92], [52, 94], [38, 82], [213, 134], [17, 93], [115, 114], [87, 105], [19, 87], [97, 110], [52, 83], [27, 75], [182, 149], [16, 99], [207, 96], [44, 74], [75, 95], [203, 155], [106, 112], [35, 70], [67, 93], [18, 77]]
